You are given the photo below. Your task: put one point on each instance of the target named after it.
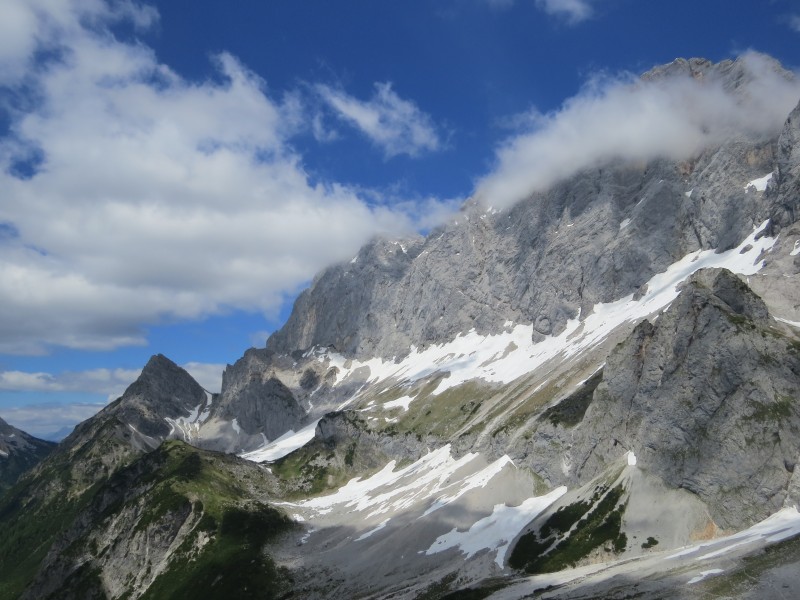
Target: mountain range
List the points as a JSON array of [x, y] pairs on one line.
[[592, 393]]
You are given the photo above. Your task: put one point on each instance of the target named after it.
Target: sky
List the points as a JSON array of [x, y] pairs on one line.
[[174, 173]]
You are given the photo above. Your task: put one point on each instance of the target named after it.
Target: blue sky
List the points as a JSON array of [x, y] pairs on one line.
[[173, 173]]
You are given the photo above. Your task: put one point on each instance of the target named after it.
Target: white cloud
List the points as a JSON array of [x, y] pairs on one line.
[[107, 382], [397, 126], [157, 198], [43, 420], [794, 22], [574, 11], [209, 375], [625, 119]]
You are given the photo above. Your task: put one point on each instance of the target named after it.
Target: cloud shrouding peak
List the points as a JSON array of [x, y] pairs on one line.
[[672, 116], [395, 125], [132, 196]]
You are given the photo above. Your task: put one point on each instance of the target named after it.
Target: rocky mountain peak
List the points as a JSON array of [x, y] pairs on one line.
[[163, 390], [733, 74], [5, 428], [731, 290]]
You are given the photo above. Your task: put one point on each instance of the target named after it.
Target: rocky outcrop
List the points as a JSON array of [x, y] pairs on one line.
[[19, 452], [707, 397], [787, 208]]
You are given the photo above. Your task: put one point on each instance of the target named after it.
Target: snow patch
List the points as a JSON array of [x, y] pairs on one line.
[[495, 532], [403, 403], [788, 322], [236, 428], [371, 531], [479, 480], [796, 250], [472, 356], [437, 479], [624, 224], [631, 459], [759, 184], [703, 575], [287, 443], [188, 426], [689, 193], [306, 535]]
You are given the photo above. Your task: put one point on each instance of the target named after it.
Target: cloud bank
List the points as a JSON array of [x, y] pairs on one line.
[[132, 196], [395, 125], [671, 116]]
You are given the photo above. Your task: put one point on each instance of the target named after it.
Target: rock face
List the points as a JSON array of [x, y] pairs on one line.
[[787, 211], [257, 399], [595, 237], [163, 390], [707, 397], [18, 453]]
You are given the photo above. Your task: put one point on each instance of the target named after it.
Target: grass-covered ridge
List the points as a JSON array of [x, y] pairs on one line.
[[224, 555], [44, 503], [177, 522]]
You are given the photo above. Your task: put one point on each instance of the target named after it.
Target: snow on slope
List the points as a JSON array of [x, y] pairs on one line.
[[781, 526], [418, 491], [436, 475], [504, 357], [497, 530], [287, 443], [189, 426], [760, 184]]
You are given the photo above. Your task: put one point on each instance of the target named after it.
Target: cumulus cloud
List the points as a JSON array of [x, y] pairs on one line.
[[108, 382], [672, 116], [209, 375], [395, 125], [132, 196], [50, 420]]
